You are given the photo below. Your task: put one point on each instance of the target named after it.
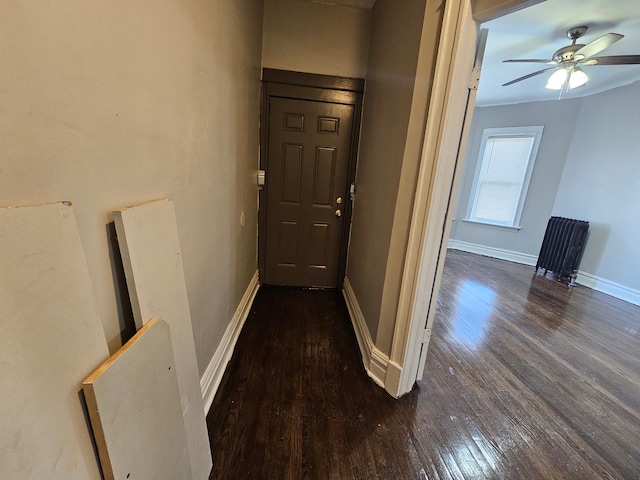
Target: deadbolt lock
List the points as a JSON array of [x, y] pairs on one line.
[[339, 200], [338, 213]]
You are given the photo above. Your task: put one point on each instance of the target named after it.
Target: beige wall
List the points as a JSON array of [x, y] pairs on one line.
[[107, 104], [559, 120], [425, 69], [600, 183], [392, 130], [586, 168], [315, 38]]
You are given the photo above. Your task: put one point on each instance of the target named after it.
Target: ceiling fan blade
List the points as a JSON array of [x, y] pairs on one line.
[[531, 60], [597, 45], [613, 60], [519, 79]]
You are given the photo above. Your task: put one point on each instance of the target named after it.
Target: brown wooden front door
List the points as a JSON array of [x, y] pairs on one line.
[[309, 147]]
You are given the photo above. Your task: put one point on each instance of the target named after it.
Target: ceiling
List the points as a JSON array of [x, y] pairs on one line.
[[538, 31]]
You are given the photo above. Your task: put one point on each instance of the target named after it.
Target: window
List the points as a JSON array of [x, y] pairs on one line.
[[505, 163]]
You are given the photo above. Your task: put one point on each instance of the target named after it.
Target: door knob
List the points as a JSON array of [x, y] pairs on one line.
[[339, 200], [338, 213]]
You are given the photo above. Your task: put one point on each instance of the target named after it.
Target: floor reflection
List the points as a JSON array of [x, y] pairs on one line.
[[554, 295], [473, 307], [503, 397]]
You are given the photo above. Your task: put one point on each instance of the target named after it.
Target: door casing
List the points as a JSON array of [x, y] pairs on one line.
[[314, 87], [443, 144], [446, 133]]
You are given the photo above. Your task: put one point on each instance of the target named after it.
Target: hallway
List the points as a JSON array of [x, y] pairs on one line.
[[525, 378]]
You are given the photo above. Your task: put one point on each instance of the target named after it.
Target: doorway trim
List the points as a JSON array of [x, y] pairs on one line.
[[441, 150], [315, 87], [446, 132]]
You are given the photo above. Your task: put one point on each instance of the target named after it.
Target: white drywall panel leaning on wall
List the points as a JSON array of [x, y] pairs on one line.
[[150, 248], [134, 404], [51, 338]]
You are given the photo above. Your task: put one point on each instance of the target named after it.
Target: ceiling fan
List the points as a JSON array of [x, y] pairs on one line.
[[567, 61]]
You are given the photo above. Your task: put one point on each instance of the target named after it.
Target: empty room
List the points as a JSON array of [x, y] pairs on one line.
[[300, 238]]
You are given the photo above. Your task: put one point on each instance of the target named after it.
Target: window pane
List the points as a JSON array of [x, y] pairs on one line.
[[497, 202], [504, 166], [506, 158]]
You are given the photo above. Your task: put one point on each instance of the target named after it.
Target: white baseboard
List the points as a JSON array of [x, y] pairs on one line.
[[212, 376], [500, 253], [585, 279], [375, 361], [607, 286]]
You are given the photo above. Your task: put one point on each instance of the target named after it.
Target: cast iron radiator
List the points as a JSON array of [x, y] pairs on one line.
[[562, 247]]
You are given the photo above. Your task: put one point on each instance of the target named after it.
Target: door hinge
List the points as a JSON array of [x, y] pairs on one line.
[[426, 335], [474, 78]]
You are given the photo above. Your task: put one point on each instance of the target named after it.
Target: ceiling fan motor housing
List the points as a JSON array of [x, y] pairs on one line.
[[565, 54]]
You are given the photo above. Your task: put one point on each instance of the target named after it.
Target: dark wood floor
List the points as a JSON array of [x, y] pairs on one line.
[[526, 378]]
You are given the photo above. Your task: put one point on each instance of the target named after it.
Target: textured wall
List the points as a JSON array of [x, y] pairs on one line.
[[587, 168], [558, 119], [315, 38], [601, 183], [109, 104], [393, 56]]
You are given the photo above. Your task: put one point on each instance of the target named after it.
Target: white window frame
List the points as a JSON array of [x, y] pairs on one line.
[[534, 132]]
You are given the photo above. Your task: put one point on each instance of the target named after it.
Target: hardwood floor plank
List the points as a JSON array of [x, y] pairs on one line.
[[526, 378]]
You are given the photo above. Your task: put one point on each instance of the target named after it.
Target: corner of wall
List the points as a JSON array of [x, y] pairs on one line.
[[411, 160], [609, 287], [393, 379], [212, 376], [374, 360], [487, 251]]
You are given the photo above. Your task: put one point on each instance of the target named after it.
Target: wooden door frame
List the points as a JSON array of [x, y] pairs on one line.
[[442, 155], [308, 86], [448, 123]]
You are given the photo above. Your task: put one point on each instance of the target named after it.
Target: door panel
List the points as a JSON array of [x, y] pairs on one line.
[[291, 171], [325, 169], [309, 146]]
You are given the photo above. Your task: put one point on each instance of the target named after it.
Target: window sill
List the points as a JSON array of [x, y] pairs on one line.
[[510, 228]]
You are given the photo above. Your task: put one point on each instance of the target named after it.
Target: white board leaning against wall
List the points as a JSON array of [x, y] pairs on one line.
[[150, 248], [51, 338], [134, 404]]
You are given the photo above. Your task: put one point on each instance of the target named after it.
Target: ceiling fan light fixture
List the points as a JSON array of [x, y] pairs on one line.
[[556, 81], [565, 62], [578, 78]]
